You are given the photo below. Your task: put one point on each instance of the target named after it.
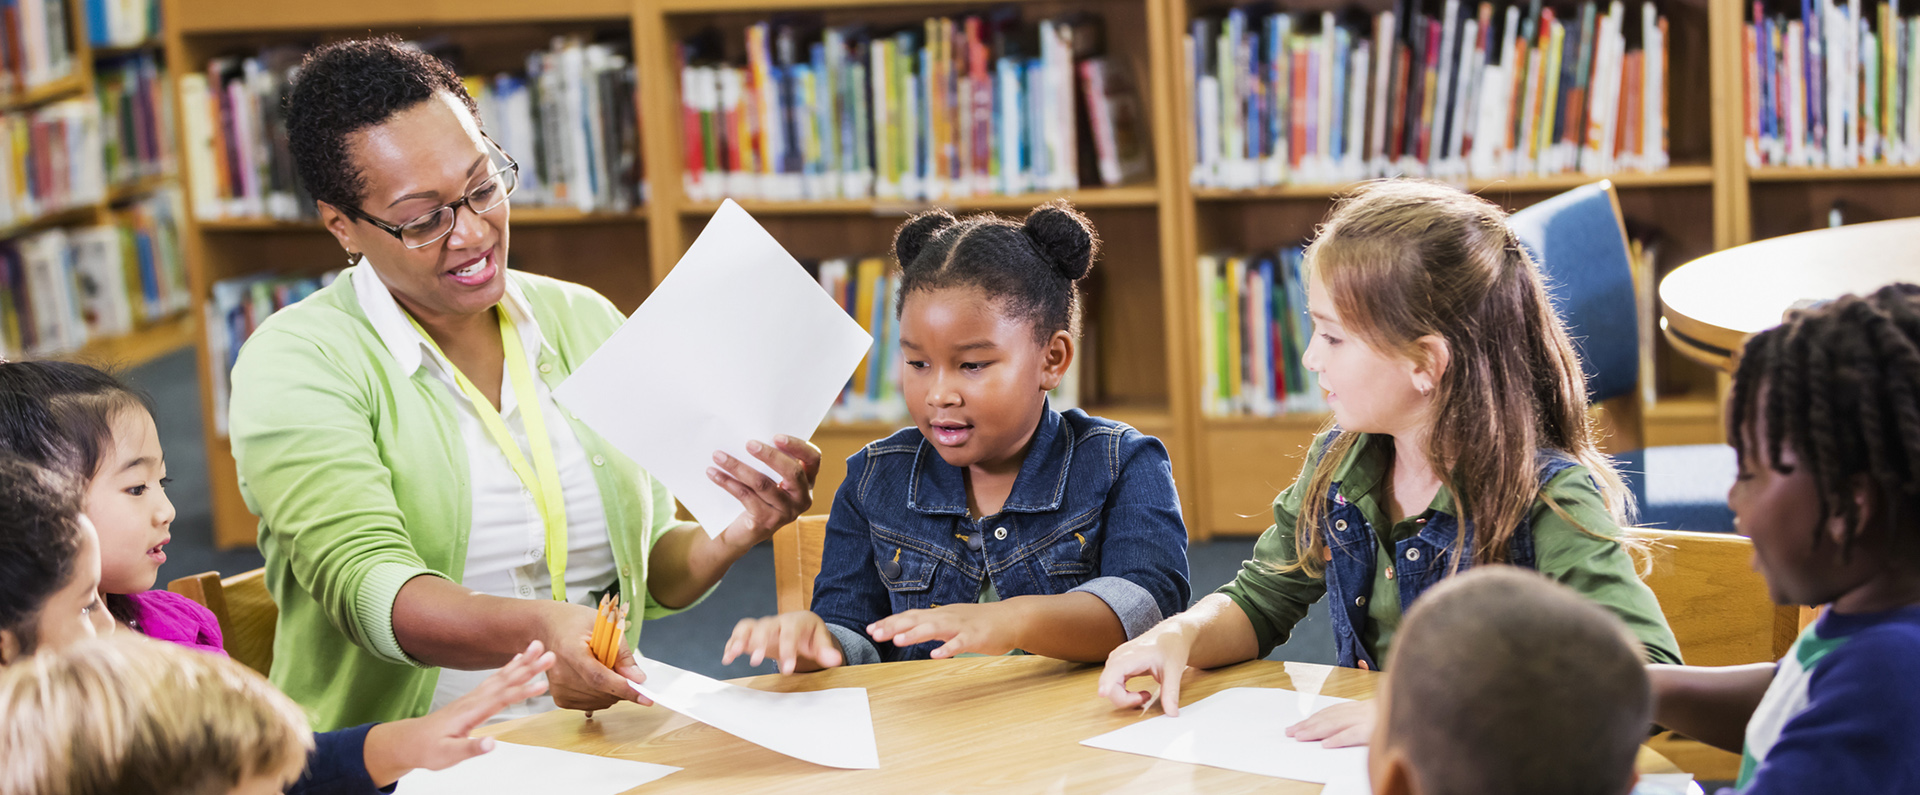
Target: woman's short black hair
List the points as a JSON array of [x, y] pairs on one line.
[[1032, 268], [39, 542], [347, 86]]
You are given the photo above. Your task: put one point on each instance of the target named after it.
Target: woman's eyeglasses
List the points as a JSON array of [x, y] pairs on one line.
[[438, 223]]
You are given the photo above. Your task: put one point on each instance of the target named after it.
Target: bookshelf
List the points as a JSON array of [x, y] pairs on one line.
[[1142, 302], [95, 50]]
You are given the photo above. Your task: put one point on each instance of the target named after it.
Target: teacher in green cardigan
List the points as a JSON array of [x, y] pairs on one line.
[[426, 508]]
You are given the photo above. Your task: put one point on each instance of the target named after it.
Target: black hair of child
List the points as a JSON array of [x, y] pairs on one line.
[[1842, 385], [1032, 267], [345, 87], [39, 542], [59, 415]]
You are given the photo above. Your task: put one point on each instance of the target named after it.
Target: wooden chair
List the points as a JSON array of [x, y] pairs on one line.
[[1721, 614], [245, 609], [796, 561]]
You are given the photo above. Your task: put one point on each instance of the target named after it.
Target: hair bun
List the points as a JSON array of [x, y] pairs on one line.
[[917, 231], [1065, 238]]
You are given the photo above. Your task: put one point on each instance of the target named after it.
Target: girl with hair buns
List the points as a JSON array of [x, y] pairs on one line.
[[996, 523]]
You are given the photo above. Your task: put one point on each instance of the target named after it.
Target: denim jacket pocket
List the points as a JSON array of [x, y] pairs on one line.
[[904, 566]]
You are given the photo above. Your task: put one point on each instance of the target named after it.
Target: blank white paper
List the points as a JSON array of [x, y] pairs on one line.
[[826, 727], [1244, 729], [1666, 784], [738, 343], [514, 769]]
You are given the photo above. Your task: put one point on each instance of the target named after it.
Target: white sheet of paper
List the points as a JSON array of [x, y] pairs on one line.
[[514, 769], [738, 343], [1666, 784], [826, 727], [1244, 729]]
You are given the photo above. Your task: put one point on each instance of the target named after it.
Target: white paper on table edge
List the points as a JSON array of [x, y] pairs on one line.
[[654, 696]]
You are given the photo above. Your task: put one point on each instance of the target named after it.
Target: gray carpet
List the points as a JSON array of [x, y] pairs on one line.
[[690, 640]]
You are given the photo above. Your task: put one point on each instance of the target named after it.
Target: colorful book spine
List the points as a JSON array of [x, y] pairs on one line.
[[1477, 90]]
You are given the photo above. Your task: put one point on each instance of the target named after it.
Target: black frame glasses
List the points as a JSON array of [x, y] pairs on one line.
[[510, 172]]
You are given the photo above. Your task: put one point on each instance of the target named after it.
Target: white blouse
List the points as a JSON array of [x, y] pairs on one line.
[[506, 542]]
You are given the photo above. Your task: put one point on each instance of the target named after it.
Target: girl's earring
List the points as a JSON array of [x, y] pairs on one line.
[[352, 258]]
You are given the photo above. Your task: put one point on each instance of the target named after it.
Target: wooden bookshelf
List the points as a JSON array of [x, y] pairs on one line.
[[1141, 297], [147, 341]]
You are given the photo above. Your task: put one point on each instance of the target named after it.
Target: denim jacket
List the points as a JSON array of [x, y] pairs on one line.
[[1093, 509], [1420, 562]]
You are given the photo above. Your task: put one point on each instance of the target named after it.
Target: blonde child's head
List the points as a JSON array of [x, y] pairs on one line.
[[112, 448], [130, 716], [1503, 682], [1432, 326]]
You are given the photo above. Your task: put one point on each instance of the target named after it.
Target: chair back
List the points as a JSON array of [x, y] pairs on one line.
[[796, 561], [1715, 602], [244, 608], [1579, 239]]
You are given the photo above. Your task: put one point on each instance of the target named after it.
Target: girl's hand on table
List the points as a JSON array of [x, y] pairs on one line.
[[976, 628], [769, 505], [1338, 726], [1161, 654], [795, 641]]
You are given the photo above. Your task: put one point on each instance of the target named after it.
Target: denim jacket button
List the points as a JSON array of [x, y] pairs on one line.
[[890, 568], [1360, 601], [1413, 554], [1340, 525], [999, 534], [973, 542]]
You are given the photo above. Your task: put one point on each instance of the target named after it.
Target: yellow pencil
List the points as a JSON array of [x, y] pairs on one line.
[[616, 625], [599, 629]]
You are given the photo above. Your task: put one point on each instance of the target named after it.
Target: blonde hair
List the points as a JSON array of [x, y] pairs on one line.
[[1403, 260], [127, 715]]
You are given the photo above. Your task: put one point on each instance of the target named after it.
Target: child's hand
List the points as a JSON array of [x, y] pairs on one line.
[[440, 739], [796, 641], [1163, 654], [1338, 726], [978, 628]]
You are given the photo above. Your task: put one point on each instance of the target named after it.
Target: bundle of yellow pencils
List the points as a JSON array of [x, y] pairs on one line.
[[609, 631]]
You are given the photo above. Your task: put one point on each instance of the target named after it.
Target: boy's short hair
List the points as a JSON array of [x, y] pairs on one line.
[[39, 542], [1503, 681], [125, 714]]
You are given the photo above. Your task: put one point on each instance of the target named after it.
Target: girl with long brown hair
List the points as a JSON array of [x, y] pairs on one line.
[[1460, 437]]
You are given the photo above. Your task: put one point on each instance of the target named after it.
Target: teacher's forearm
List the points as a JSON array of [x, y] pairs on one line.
[[686, 563], [450, 625]]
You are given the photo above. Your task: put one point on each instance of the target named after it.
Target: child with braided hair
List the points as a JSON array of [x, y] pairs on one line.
[[1825, 419]]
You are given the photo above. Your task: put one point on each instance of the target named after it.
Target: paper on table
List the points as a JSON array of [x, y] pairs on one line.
[[1666, 784], [514, 769], [738, 343], [1243, 728], [826, 727]]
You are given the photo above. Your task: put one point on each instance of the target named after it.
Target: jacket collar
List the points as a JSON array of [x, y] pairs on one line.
[[941, 488]]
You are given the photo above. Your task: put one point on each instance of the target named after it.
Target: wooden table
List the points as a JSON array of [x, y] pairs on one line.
[[1711, 304], [979, 724]]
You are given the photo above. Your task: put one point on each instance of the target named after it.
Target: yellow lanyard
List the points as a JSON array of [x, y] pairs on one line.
[[543, 478]]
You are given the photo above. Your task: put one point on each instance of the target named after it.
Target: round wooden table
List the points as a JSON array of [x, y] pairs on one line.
[[977, 724], [1711, 304]]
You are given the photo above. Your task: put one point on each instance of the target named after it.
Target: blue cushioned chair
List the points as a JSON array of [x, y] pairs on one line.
[[1580, 241]]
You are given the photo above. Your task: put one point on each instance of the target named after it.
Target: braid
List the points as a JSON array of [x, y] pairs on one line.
[[1841, 385]]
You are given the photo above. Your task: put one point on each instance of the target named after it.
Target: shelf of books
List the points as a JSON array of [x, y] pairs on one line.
[[1287, 108], [832, 122], [1830, 128], [90, 259]]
